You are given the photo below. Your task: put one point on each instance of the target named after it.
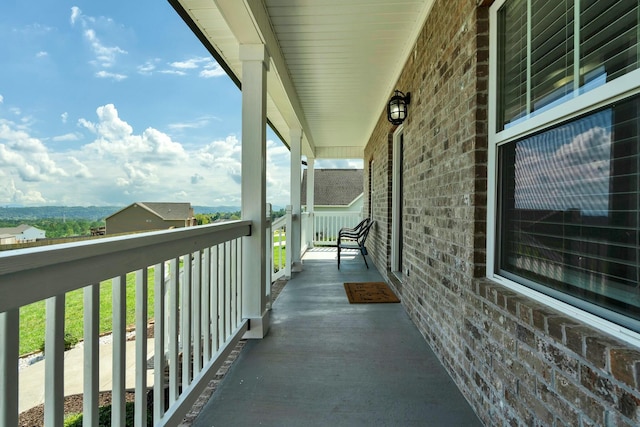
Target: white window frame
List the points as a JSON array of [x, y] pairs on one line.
[[615, 90]]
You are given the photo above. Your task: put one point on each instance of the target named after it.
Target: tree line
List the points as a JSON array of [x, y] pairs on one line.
[[208, 218], [65, 227], [56, 227]]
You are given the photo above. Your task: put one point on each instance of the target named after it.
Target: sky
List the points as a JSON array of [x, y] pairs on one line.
[[108, 103]]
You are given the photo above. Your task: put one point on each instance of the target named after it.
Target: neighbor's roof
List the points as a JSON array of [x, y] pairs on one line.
[[16, 230], [334, 187], [167, 210]]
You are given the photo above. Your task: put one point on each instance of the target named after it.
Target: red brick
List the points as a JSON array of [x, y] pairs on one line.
[[625, 364]]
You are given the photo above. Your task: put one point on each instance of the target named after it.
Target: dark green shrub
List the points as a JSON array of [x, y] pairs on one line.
[[104, 417], [70, 341]]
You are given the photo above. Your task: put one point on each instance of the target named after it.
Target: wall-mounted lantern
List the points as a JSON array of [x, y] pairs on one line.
[[397, 107]]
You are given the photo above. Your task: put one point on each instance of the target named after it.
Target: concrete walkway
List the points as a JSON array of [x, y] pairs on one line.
[[326, 362], [31, 378]]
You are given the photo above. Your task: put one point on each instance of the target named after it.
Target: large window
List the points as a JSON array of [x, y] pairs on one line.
[[568, 204]]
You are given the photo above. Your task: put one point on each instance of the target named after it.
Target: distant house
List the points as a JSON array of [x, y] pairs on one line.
[[147, 216], [7, 239], [335, 190], [22, 234]]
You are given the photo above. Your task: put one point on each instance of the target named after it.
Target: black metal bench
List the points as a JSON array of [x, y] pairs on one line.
[[355, 238]]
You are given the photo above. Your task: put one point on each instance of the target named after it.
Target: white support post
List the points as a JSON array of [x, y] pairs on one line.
[[310, 201], [119, 361], [91, 353], [54, 362], [159, 360], [294, 235], [9, 327], [255, 63], [142, 309]]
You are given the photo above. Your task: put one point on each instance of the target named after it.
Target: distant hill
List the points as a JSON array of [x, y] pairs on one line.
[[92, 213]]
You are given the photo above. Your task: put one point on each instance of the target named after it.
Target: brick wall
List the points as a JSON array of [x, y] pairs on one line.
[[517, 362]]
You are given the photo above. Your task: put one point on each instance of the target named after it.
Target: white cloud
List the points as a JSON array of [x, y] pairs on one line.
[[120, 165], [115, 137], [196, 178], [194, 124], [24, 156], [1, 99], [338, 164], [105, 55], [67, 137], [42, 54], [75, 14], [189, 63], [212, 70], [9, 193], [207, 66], [148, 67], [137, 174], [176, 72], [107, 75], [81, 171]]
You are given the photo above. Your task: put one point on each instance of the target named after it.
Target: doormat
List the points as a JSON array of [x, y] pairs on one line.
[[369, 292]]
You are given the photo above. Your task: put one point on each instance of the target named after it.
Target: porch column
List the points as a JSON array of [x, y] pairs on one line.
[[294, 235], [255, 63], [310, 200]]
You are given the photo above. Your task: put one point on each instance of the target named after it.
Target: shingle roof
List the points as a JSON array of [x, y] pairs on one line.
[[15, 230], [166, 210], [334, 187], [169, 211]]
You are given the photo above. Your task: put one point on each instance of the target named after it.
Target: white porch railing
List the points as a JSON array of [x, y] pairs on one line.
[[280, 267], [327, 225], [276, 250], [196, 325]]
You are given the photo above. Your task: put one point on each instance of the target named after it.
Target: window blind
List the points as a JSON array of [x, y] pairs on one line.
[[538, 55], [570, 208]]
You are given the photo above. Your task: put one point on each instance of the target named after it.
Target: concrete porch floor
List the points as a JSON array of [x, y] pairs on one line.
[[326, 362]]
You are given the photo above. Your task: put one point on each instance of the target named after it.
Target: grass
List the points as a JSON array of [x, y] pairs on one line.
[[33, 318], [279, 235], [279, 256]]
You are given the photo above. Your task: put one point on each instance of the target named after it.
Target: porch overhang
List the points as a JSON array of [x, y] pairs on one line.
[[333, 64]]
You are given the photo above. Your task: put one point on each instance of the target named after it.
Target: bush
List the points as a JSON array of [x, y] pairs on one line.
[[104, 417], [73, 420], [70, 341]]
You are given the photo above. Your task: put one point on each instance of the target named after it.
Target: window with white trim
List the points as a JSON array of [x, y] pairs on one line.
[[566, 141]]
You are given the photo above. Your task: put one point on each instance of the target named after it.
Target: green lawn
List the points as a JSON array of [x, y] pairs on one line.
[[279, 235], [32, 317], [279, 256]]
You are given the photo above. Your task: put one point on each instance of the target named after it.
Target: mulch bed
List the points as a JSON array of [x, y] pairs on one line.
[[34, 417]]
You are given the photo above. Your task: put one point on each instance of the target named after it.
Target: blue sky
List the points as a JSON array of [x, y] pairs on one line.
[[107, 103]]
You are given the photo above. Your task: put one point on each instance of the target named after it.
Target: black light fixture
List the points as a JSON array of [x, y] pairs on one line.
[[397, 107]]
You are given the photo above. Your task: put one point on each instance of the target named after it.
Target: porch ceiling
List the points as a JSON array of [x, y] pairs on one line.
[[333, 65]]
